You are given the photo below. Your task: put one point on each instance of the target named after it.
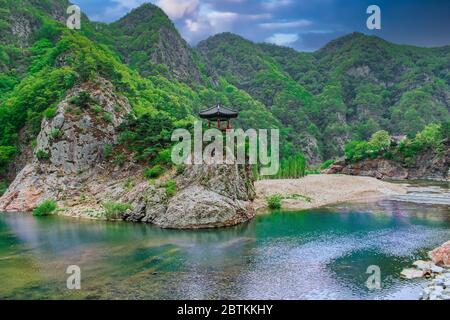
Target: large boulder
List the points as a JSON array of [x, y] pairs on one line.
[[209, 196], [441, 255]]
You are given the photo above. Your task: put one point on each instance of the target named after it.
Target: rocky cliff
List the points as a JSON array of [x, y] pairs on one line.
[[68, 165], [209, 196], [428, 166]]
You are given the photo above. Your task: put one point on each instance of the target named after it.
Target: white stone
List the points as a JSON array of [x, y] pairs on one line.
[[411, 273]]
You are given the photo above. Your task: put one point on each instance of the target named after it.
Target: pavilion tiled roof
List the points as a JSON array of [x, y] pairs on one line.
[[218, 112]]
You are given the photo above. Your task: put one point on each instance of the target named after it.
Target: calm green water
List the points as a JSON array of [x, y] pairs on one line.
[[319, 254]]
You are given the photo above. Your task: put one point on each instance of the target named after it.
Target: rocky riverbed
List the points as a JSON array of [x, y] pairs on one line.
[[437, 271]]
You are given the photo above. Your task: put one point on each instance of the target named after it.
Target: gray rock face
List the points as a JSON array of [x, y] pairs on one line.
[[428, 165], [73, 145], [209, 196], [22, 27], [74, 173]]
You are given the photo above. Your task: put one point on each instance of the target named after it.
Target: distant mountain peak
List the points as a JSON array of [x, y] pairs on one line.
[[145, 13], [353, 38]]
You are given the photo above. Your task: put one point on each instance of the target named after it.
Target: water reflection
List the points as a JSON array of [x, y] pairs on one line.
[[316, 254]]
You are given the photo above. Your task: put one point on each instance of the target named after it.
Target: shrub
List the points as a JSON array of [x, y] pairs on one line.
[[97, 109], [164, 157], [431, 137], [3, 187], [171, 188], [180, 169], [56, 134], [107, 151], [83, 100], [446, 130], [129, 184], [381, 140], [42, 155], [326, 164], [274, 202], [359, 150], [147, 135], [155, 172], [107, 117], [119, 159], [50, 113], [46, 208], [7, 154], [114, 210], [117, 108]]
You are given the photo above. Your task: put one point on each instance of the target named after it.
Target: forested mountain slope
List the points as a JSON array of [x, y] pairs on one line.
[[349, 89]]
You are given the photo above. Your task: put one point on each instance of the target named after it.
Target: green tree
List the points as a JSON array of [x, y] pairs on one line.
[[381, 140]]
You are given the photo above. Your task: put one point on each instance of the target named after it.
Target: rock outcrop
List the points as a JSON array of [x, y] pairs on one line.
[[68, 165], [209, 196], [428, 166], [69, 148]]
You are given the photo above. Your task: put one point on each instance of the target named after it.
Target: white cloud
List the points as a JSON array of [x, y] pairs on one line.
[[208, 21], [283, 39], [177, 9], [287, 24], [275, 4]]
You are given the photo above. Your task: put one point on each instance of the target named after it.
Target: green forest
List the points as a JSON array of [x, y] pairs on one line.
[[350, 90]]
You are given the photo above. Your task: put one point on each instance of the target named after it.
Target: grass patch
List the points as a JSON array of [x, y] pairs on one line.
[[129, 184], [50, 113], [107, 151], [326, 165], [42, 155], [115, 210], [119, 160], [171, 188], [82, 100], [107, 117], [56, 134], [275, 201], [46, 208], [155, 172]]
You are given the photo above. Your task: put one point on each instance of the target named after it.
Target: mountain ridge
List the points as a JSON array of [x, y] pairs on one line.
[[350, 88]]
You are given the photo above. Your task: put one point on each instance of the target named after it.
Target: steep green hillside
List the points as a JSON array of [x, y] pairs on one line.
[[353, 87], [248, 67], [56, 59]]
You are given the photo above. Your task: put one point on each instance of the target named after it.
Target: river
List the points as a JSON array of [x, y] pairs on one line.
[[315, 254]]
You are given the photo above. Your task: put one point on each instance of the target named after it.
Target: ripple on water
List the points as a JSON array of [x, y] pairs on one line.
[[318, 254]]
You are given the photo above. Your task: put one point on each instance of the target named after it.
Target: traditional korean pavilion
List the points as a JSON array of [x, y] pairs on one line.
[[219, 114]]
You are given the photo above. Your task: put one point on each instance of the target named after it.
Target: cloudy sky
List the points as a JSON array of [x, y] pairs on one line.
[[305, 25]]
